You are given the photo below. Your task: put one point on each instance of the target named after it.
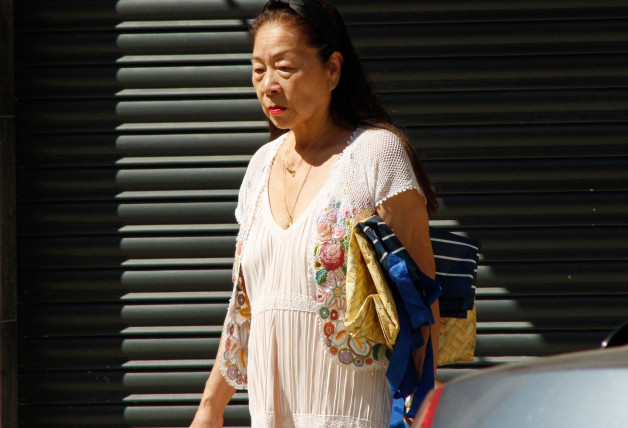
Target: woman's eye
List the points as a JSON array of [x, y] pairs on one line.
[[258, 70]]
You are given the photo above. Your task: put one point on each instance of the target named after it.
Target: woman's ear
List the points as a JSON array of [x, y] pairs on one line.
[[335, 68]]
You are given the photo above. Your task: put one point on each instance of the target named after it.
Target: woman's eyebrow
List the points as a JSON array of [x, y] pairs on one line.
[[274, 56]]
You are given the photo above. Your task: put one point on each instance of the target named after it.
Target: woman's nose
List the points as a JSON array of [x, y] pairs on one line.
[[269, 83]]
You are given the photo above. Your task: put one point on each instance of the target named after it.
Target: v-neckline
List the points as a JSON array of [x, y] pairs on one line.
[[320, 191]]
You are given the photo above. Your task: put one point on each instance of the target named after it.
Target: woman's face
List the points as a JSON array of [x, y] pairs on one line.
[[292, 84]]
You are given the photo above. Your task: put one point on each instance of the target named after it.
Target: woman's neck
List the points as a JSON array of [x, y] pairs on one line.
[[315, 140]]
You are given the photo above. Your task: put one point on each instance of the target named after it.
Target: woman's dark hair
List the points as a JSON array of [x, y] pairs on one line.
[[353, 102]]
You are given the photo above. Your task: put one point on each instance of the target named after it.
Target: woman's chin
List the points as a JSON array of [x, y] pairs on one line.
[[281, 124]]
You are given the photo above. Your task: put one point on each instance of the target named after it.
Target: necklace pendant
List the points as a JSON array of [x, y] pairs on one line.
[[291, 172]]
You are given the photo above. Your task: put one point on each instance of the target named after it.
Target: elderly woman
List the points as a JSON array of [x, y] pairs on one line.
[[334, 159]]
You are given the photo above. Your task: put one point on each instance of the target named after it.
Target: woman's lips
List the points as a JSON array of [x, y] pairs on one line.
[[276, 110]]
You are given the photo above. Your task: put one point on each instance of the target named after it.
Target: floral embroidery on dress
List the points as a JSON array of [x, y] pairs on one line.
[[333, 231], [236, 330]]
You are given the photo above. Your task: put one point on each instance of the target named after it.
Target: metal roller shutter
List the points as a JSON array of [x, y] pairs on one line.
[[135, 122]]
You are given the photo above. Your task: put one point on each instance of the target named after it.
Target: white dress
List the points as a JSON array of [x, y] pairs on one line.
[[292, 382], [284, 336]]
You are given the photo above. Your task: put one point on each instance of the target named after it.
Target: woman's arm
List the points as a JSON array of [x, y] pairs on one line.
[[214, 401], [407, 216]]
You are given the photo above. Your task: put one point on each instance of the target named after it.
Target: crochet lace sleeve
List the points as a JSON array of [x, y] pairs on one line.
[[392, 168], [233, 349]]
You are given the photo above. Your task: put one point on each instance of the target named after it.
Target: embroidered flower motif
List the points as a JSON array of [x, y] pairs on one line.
[[321, 297], [333, 315], [379, 351], [232, 371], [328, 329], [334, 291], [332, 255], [360, 347], [337, 298], [325, 313], [341, 335], [323, 232], [339, 233], [345, 356]]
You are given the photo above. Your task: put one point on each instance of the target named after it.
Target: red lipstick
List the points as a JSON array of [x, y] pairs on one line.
[[276, 110]]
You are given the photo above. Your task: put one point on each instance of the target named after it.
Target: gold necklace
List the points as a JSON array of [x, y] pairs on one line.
[[307, 174], [285, 161], [285, 199]]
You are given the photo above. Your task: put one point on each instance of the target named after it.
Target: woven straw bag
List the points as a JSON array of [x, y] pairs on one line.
[[457, 339]]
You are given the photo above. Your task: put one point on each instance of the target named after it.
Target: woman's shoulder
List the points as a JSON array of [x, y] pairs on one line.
[[374, 142], [265, 154]]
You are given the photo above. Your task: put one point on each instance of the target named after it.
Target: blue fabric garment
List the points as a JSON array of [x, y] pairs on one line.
[[456, 260], [414, 292]]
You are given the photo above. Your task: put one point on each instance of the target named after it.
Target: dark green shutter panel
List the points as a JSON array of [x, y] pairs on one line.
[[136, 120]]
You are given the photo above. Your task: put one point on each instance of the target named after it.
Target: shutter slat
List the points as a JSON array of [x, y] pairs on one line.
[[503, 38], [540, 210], [74, 320], [64, 184], [499, 176], [412, 109], [533, 245], [93, 353], [103, 149], [111, 416], [451, 142], [440, 74], [497, 280], [67, 13], [107, 115], [83, 388], [115, 252]]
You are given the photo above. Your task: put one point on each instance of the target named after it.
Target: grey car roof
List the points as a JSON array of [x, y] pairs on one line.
[[593, 359]]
